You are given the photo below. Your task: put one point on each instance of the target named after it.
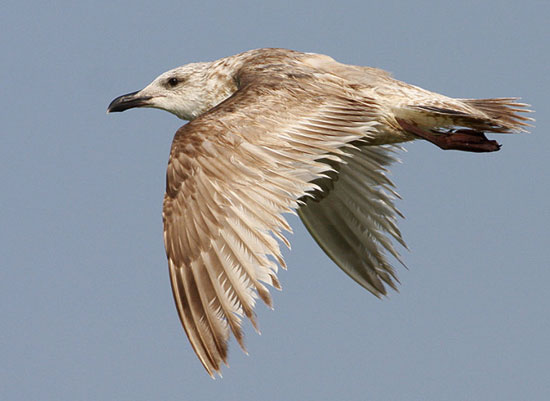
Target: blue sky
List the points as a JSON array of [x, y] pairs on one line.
[[86, 307]]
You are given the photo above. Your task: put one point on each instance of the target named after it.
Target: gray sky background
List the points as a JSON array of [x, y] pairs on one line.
[[85, 302]]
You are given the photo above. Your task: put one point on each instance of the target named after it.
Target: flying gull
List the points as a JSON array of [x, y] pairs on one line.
[[273, 131]]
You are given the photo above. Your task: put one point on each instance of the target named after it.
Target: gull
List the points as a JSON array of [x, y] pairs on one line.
[[276, 131]]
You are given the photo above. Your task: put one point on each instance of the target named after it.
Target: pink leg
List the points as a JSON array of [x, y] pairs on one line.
[[464, 139]]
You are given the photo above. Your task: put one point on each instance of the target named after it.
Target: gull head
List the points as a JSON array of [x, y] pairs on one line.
[[186, 91]]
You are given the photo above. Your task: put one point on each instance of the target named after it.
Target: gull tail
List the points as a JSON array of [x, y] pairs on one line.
[[461, 124], [503, 114]]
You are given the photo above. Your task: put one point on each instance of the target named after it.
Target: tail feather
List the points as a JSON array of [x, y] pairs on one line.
[[461, 124], [499, 115], [503, 113]]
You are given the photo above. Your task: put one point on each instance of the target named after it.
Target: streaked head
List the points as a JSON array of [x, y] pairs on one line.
[[186, 91]]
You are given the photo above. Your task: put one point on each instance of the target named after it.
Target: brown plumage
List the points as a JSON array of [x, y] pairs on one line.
[[273, 131]]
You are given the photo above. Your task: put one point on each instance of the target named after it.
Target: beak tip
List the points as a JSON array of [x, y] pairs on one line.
[[112, 107]]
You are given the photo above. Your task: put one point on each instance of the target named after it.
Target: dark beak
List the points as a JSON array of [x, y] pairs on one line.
[[128, 101]]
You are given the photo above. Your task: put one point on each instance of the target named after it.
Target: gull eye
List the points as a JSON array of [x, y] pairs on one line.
[[173, 81]]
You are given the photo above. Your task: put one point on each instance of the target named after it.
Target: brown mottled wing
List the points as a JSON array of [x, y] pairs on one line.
[[232, 173]]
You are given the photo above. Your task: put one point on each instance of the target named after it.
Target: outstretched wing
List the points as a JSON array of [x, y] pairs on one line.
[[232, 174], [354, 217]]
